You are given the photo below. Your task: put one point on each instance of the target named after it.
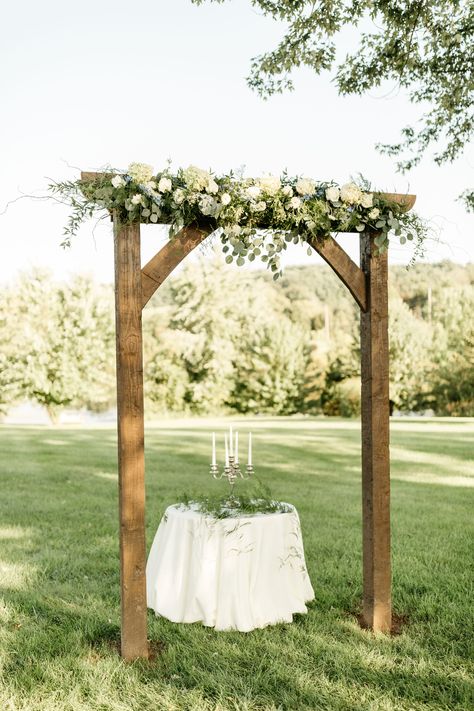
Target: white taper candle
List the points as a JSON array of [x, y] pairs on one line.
[[236, 447], [226, 450], [214, 448], [231, 443]]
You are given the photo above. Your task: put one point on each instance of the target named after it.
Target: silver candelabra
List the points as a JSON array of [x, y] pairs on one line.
[[232, 471]]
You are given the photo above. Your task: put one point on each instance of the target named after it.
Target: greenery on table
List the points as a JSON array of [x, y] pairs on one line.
[[424, 48], [221, 340], [254, 217], [254, 499], [60, 607]]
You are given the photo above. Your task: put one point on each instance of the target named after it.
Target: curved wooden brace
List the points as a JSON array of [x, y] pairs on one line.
[[348, 272], [162, 264]]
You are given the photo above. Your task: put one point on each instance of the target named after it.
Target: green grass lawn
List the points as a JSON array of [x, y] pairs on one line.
[[59, 575]]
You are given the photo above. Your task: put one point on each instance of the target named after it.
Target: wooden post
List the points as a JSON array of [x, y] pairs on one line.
[[377, 610], [131, 461]]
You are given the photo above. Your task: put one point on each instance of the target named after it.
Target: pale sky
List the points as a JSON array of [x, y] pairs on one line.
[[95, 83]]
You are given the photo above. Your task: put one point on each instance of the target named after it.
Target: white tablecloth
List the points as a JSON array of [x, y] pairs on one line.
[[235, 573]]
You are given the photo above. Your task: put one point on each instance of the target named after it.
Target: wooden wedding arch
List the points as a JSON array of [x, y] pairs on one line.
[[134, 287]]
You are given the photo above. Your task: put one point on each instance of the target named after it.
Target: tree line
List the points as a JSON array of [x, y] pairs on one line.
[[219, 339]]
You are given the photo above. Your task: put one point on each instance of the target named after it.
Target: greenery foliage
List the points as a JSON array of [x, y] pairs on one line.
[[255, 218], [220, 340], [58, 344], [422, 47], [255, 499]]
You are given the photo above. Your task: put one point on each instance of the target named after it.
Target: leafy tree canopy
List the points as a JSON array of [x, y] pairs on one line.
[[425, 47]]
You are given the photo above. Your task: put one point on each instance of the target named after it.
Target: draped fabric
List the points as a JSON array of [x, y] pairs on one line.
[[238, 573]]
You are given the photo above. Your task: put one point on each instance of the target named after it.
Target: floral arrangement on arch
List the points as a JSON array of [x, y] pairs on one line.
[[254, 217]]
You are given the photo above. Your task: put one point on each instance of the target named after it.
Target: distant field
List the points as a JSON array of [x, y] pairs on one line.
[[59, 575]]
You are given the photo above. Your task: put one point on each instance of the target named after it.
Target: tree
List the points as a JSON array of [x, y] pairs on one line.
[[425, 47], [62, 345]]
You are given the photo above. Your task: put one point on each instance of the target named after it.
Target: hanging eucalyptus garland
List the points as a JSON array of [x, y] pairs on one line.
[[253, 217]]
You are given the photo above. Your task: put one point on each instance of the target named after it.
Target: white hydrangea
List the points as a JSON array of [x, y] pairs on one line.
[[118, 181], [140, 172], [196, 178], [178, 196], [226, 199], [207, 205], [305, 186], [373, 214], [367, 200], [137, 199], [287, 191], [351, 193], [333, 194], [253, 191], [270, 184], [165, 185], [295, 203]]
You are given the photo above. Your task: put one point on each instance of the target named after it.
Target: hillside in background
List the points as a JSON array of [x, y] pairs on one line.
[[220, 339]]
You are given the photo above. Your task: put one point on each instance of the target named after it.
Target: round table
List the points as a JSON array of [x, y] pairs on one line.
[[238, 573]]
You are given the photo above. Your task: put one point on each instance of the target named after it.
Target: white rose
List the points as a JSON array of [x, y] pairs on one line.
[[305, 186], [234, 230], [295, 203], [270, 185], [118, 181], [351, 194], [287, 191], [253, 191], [212, 186], [367, 200], [332, 194], [225, 199], [178, 196], [165, 185], [136, 199], [373, 214], [140, 172], [260, 206]]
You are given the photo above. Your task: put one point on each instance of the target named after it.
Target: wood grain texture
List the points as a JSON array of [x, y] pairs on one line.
[[377, 610], [131, 461], [162, 264], [349, 273]]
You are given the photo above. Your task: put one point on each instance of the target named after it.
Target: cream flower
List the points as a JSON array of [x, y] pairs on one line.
[[234, 230], [305, 186], [270, 184], [117, 181], [333, 194], [165, 185], [260, 206], [137, 199], [351, 194], [373, 214], [295, 203], [140, 172], [367, 200], [212, 187], [253, 191], [196, 178], [178, 196], [287, 191], [225, 199]]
